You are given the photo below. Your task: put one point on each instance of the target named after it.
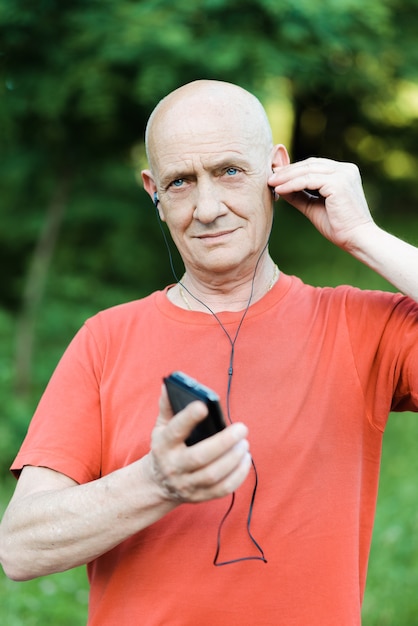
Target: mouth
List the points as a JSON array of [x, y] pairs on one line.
[[216, 237]]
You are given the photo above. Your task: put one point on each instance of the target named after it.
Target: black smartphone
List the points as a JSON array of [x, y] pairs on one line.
[[181, 390]]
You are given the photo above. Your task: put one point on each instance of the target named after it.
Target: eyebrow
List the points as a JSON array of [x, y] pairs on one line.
[[176, 174], [215, 163]]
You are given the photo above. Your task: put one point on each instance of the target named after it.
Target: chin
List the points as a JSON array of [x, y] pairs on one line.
[[222, 265]]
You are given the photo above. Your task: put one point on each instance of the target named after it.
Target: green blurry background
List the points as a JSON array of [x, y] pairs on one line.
[[78, 79]]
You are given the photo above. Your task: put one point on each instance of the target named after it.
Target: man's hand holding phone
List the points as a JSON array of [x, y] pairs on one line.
[[208, 468]]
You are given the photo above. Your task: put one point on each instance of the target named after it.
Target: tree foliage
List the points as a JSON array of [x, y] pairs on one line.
[[78, 80]]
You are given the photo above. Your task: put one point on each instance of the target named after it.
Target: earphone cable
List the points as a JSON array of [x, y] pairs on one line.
[[232, 342]]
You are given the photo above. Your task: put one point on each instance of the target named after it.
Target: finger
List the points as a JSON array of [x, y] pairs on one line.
[[182, 421], [215, 447], [183, 470], [308, 185], [179, 427], [222, 477], [305, 202], [308, 175], [311, 164], [166, 412], [222, 467]]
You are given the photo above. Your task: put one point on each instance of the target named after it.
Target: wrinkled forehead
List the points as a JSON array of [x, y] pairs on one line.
[[202, 127], [206, 120]]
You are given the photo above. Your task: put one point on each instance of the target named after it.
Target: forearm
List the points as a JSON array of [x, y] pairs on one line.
[[392, 258], [54, 530], [53, 524]]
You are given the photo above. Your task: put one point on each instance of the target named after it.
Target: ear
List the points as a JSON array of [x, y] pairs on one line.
[[279, 156], [151, 188]]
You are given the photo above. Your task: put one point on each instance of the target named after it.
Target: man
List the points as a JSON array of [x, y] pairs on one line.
[[307, 377]]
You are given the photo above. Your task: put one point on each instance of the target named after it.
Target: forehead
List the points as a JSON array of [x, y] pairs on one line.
[[198, 123], [209, 136]]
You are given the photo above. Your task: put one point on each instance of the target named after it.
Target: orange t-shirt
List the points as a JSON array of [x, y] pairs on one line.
[[316, 372]]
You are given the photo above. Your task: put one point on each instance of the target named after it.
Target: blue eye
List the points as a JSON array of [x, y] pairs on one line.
[[231, 171], [178, 183]]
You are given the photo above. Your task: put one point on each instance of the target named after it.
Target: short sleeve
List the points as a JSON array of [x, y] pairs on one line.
[[65, 431]]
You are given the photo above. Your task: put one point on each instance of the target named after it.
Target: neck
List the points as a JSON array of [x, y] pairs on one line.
[[218, 294]]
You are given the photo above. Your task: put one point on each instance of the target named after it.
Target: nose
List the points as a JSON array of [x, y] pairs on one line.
[[208, 205]]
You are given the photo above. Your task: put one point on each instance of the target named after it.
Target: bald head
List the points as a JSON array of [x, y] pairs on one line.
[[206, 107]]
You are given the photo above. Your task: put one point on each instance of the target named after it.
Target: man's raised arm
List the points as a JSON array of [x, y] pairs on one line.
[[341, 214]]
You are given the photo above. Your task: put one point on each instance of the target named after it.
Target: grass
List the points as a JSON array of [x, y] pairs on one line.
[[60, 599], [391, 596]]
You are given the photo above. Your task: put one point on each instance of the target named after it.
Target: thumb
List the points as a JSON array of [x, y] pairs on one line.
[[166, 412], [178, 427]]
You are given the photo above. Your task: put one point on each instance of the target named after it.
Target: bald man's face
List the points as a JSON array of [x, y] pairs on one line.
[[210, 168]]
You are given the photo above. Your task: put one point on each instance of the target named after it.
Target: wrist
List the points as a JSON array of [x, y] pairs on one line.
[[365, 241], [152, 484]]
